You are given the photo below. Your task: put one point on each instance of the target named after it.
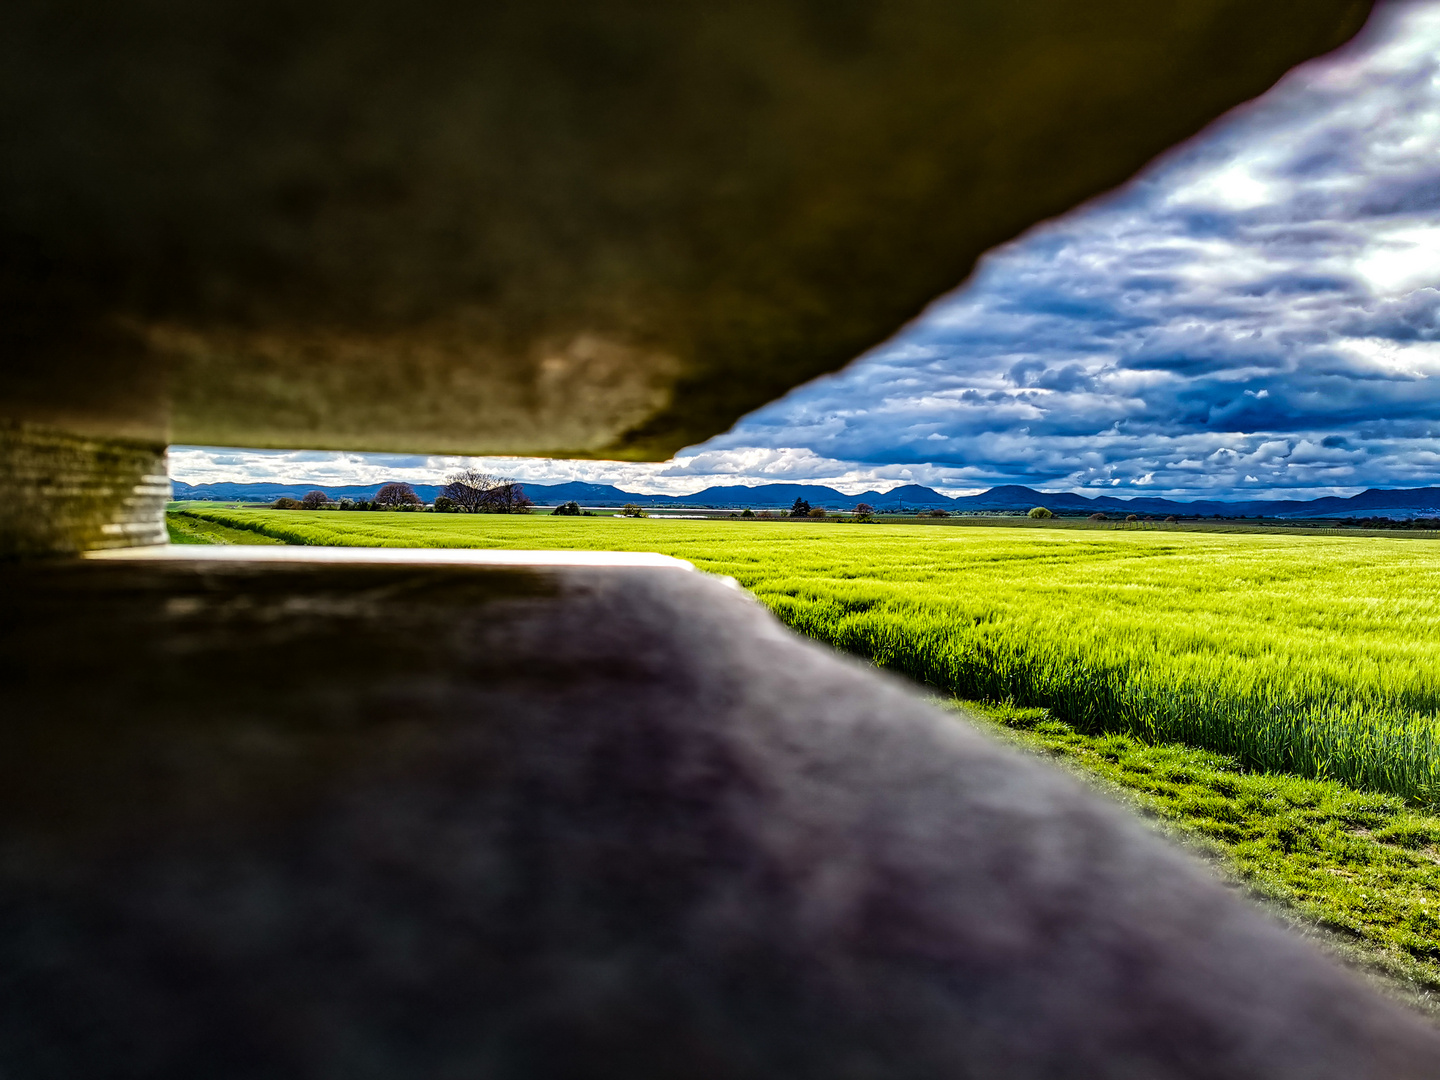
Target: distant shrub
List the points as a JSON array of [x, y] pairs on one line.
[[1098, 517], [768, 515], [946, 513], [1039, 512], [569, 509], [345, 504], [816, 512], [748, 513], [632, 510], [1172, 518], [1131, 517], [864, 512], [315, 500], [444, 504], [286, 504]]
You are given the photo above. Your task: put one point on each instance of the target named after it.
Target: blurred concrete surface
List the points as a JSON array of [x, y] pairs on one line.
[[354, 820]]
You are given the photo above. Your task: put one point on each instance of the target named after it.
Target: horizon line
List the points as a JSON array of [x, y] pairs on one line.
[[819, 484]]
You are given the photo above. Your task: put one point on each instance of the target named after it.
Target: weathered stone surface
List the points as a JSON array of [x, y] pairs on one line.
[[372, 822], [546, 227], [67, 493]]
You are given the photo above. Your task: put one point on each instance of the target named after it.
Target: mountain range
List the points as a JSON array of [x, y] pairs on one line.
[[1403, 503]]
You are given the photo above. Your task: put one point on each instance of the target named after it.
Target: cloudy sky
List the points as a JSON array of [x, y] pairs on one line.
[[1258, 313]]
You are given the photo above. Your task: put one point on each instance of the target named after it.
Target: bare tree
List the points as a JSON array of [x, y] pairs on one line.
[[469, 488], [392, 495], [315, 500], [505, 497]]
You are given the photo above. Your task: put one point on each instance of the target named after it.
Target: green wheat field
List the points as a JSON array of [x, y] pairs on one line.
[[1314, 656], [1268, 700]]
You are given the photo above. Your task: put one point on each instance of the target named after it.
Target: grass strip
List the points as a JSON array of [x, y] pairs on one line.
[[1360, 871], [187, 528]]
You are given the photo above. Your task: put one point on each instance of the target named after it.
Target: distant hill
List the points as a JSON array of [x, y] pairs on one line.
[[229, 492], [1404, 503]]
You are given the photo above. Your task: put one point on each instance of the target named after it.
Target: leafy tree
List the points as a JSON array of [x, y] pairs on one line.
[[394, 495], [748, 513], [816, 512], [801, 508], [864, 512], [315, 500], [284, 503], [444, 504], [633, 510], [569, 509], [1039, 512]]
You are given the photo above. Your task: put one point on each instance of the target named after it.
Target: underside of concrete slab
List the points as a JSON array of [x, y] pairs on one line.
[[606, 229]]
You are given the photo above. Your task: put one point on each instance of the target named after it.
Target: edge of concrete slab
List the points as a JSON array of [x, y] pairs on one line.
[[388, 556]]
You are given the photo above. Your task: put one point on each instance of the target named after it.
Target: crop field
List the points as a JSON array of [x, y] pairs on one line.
[[185, 529], [1302, 654], [1194, 674]]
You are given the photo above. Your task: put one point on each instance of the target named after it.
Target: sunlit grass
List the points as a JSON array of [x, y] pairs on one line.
[[1312, 655], [1361, 868]]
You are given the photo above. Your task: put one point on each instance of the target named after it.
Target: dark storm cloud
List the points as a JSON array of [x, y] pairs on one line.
[[1259, 309]]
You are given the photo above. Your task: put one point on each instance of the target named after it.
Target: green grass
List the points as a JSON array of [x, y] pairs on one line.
[[1362, 869], [190, 529], [1294, 659], [1312, 655]]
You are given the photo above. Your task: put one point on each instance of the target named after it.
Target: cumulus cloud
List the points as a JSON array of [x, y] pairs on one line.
[[1262, 291], [1258, 309]]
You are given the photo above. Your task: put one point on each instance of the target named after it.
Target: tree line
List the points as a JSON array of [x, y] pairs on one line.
[[467, 491]]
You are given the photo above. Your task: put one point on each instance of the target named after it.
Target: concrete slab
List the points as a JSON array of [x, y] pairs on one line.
[[344, 819]]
